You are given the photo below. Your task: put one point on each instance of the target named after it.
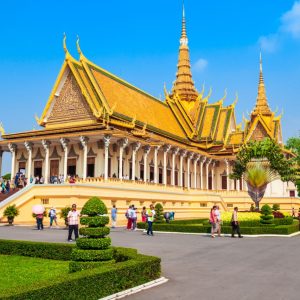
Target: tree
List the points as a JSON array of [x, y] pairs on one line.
[[266, 217], [159, 213], [261, 162]]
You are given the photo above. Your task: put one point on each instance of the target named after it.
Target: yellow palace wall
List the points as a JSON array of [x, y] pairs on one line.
[[185, 203]]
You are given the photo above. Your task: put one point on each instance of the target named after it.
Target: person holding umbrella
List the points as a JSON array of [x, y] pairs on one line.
[[38, 211]]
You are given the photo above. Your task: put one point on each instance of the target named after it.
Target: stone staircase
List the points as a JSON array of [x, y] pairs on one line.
[[5, 196]]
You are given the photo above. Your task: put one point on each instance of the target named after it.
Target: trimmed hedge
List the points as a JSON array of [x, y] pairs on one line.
[[96, 221], [202, 228], [86, 243], [36, 249], [91, 255], [94, 232], [75, 266], [131, 270], [94, 207]]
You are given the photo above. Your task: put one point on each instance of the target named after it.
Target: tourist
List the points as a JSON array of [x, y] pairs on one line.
[[53, 217], [42, 180], [7, 186], [144, 215], [114, 216], [3, 188], [39, 221], [219, 221], [299, 214], [73, 221], [213, 220], [293, 212], [133, 217], [128, 215], [150, 219], [235, 223]]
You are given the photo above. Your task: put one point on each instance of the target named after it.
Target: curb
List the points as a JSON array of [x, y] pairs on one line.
[[226, 234], [136, 289]]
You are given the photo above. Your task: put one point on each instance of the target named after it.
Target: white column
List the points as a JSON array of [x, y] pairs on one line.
[[242, 183], [122, 144], [146, 152], [12, 148], [166, 149], [64, 142], [135, 147], [207, 172], [28, 146], [238, 185], [203, 159], [46, 145], [213, 175], [196, 159], [1, 153], [182, 155], [227, 174], [106, 140], [190, 156], [156, 148], [174, 153], [84, 142]]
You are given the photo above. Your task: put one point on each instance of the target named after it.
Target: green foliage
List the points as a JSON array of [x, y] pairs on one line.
[[159, 213], [11, 211], [94, 246], [206, 228], [55, 251], [76, 266], [268, 149], [64, 212], [95, 232], [86, 243], [108, 278], [283, 221], [94, 221], [266, 217], [93, 207], [91, 255], [6, 176], [293, 144], [276, 207]]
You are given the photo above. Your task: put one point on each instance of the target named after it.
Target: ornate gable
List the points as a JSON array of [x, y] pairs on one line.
[[69, 104], [259, 133]]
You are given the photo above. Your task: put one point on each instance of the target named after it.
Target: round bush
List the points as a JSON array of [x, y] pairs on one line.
[[75, 266], [94, 231], [87, 243], [91, 255], [97, 221], [93, 207], [267, 217]]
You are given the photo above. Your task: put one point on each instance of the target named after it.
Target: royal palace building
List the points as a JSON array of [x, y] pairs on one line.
[[110, 134]]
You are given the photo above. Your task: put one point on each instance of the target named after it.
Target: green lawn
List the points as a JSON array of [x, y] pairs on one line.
[[17, 271]]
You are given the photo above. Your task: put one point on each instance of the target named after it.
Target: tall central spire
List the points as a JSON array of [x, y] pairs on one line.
[[262, 105], [184, 84]]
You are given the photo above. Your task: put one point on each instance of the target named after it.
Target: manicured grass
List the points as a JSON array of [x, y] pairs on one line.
[[18, 271]]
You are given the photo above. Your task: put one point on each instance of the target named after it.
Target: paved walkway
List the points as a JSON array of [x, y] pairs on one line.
[[203, 268]]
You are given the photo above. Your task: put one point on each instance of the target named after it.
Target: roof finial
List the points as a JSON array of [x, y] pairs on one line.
[[260, 62], [183, 39], [64, 43], [78, 46]]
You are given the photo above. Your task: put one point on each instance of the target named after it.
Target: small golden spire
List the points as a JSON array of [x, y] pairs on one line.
[[262, 105], [64, 43], [184, 85]]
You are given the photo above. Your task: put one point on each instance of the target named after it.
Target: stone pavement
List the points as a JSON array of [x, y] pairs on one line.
[[199, 267]]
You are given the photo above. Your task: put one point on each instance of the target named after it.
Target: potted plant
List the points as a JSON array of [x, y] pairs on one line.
[[11, 212], [64, 214]]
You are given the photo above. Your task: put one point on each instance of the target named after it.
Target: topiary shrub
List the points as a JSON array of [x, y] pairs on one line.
[[94, 249], [276, 207], [159, 213], [266, 217]]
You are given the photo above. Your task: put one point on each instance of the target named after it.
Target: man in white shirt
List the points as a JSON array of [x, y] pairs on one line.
[[73, 221], [219, 221]]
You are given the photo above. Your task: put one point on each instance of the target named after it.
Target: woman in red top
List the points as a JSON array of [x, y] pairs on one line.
[[213, 220]]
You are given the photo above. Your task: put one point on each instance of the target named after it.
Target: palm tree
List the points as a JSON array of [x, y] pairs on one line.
[[257, 176]]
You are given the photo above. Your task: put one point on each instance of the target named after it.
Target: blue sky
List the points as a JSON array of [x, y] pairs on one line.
[[138, 41]]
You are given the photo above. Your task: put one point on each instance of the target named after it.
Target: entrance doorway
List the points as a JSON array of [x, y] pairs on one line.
[[160, 178], [54, 167], [72, 166], [22, 167], [210, 182], [168, 176], [151, 174], [38, 168], [224, 182], [90, 167], [176, 178]]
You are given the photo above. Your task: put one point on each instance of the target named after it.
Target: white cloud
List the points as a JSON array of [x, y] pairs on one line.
[[269, 43], [291, 21], [289, 26], [200, 65]]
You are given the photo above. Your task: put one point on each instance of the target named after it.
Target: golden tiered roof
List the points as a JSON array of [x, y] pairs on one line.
[[103, 100]]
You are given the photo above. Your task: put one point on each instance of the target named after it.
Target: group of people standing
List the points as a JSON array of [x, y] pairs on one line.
[[216, 221]]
